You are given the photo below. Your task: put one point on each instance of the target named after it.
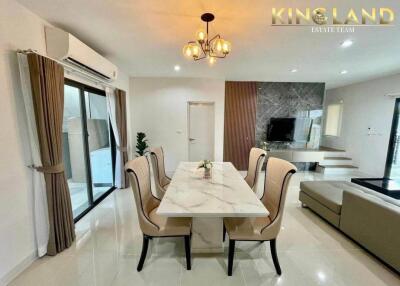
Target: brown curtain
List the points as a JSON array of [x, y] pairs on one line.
[[120, 114], [47, 80]]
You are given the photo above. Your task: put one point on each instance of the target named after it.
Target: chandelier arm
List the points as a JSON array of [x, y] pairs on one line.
[[217, 56], [200, 58], [202, 49], [212, 40], [215, 37]]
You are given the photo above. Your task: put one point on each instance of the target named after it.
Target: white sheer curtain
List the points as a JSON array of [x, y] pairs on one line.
[[40, 211], [119, 168]]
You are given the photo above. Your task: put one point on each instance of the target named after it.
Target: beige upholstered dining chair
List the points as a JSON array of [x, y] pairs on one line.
[[160, 178], [256, 161], [151, 224], [278, 174]]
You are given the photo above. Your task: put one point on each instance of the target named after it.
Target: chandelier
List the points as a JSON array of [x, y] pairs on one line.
[[205, 47]]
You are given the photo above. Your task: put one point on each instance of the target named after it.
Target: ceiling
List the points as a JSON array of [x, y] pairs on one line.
[[145, 39]]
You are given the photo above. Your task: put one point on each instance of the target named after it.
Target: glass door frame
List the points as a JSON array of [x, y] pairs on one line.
[[85, 134], [392, 141]]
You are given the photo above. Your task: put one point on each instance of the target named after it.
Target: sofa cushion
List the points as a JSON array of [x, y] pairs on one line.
[[328, 193], [352, 187], [320, 209]]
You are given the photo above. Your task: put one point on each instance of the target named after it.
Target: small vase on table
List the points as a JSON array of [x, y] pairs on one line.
[[207, 166]]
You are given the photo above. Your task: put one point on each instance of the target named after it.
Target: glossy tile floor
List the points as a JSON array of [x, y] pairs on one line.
[[108, 245], [79, 196]]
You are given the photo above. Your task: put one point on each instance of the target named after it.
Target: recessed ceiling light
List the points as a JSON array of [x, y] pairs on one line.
[[293, 70], [177, 68], [343, 72], [346, 43], [321, 275]]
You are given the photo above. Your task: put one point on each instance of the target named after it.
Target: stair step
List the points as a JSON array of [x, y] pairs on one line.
[[336, 169], [336, 161], [323, 148], [337, 158], [336, 154], [338, 166]]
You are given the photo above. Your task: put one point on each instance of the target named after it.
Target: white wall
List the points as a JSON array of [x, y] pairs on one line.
[[19, 29], [365, 106], [159, 108]]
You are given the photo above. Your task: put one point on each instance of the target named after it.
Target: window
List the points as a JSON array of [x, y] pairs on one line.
[[88, 146], [333, 119]]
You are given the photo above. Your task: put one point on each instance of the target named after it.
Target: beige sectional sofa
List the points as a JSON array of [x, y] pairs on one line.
[[368, 217]]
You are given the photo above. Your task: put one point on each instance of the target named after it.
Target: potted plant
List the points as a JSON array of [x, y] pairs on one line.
[[207, 166], [141, 145]]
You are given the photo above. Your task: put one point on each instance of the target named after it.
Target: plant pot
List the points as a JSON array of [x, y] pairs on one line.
[[207, 173]]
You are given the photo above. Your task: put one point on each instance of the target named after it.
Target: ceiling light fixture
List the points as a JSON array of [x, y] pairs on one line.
[[346, 43], [206, 47], [177, 68], [293, 70], [343, 72]]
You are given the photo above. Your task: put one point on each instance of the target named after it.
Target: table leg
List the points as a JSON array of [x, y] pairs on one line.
[[207, 235]]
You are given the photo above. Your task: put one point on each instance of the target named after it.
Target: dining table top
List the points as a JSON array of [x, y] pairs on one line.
[[225, 194]]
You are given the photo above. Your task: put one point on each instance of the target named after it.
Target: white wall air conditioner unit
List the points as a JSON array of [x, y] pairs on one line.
[[63, 46]]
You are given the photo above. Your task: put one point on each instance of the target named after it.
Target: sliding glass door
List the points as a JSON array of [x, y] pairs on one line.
[[99, 141], [392, 170], [88, 146], [74, 150]]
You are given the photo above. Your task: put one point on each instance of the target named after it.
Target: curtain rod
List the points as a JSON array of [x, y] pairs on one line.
[[71, 69]]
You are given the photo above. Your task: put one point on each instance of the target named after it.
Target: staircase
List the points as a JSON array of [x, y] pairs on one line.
[[336, 162]]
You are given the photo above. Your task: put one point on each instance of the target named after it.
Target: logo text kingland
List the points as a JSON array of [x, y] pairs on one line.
[[333, 16]]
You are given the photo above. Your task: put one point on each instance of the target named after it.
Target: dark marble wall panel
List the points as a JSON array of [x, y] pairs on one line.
[[286, 99]]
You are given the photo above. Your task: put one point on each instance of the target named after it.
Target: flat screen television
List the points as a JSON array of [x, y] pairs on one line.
[[281, 129]]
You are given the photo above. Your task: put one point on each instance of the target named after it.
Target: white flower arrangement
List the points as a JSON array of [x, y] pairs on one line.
[[206, 164]]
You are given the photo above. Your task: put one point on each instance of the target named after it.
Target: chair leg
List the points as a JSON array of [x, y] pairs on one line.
[[231, 256], [187, 250], [275, 256], [224, 233], [144, 252]]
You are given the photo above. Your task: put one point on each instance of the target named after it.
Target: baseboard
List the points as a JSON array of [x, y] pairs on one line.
[[16, 270]]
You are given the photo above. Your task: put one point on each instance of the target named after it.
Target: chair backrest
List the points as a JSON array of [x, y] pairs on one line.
[[157, 160], [256, 160], [277, 177], [139, 176]]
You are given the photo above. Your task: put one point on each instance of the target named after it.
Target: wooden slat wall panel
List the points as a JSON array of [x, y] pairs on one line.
[[240, 122]]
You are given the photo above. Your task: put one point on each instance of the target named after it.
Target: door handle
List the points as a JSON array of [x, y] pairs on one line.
[[191, 139]]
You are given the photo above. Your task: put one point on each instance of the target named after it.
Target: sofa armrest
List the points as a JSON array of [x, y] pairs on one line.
[[373, 223]]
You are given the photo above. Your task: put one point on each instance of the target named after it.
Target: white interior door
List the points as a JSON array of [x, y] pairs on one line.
[[201, 131]]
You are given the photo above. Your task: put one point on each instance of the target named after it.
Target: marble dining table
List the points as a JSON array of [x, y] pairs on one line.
[[208, 201]]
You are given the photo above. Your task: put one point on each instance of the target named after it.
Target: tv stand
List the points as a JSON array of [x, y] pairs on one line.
[[298, 154]]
